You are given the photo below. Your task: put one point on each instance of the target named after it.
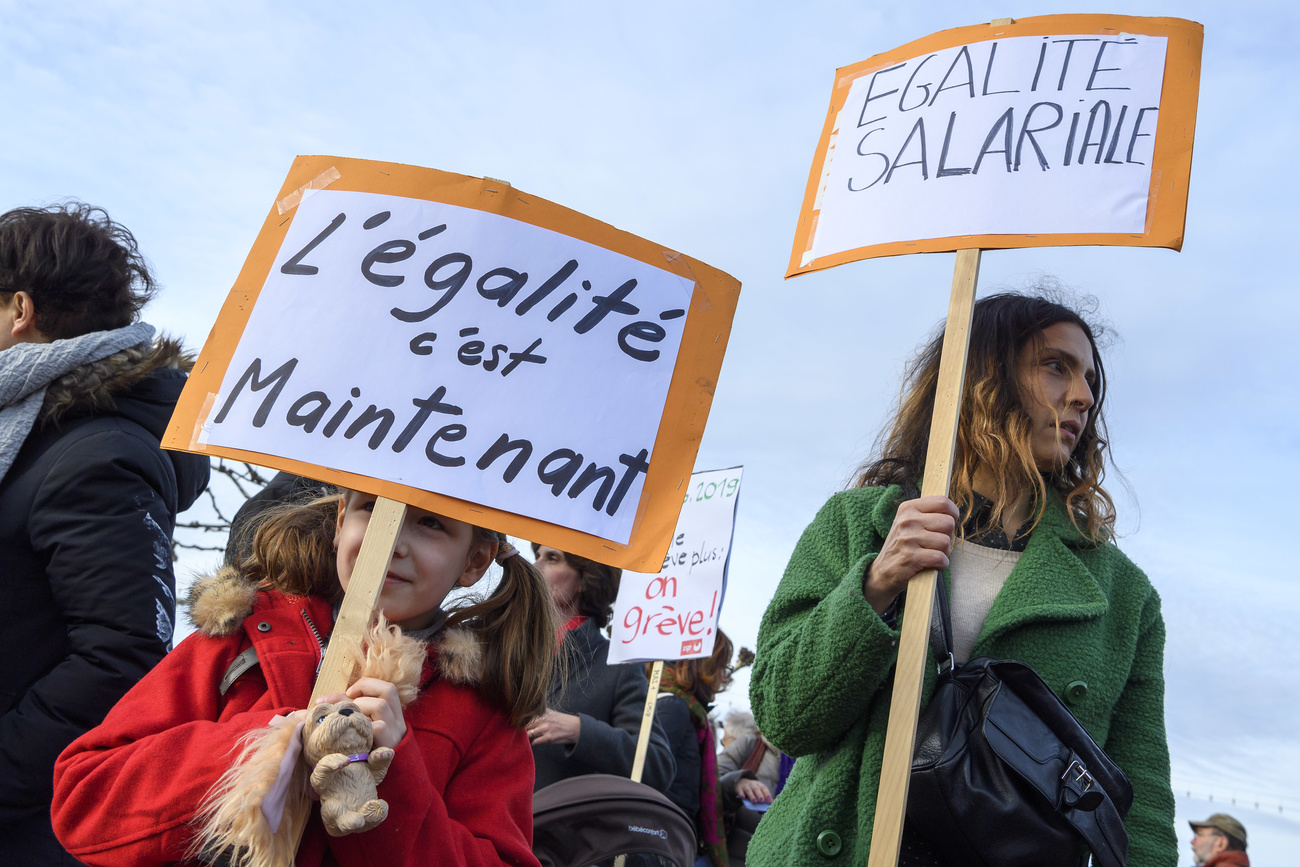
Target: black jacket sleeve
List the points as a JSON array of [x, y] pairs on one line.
[[101, 521], [609, 747], [674, 716]]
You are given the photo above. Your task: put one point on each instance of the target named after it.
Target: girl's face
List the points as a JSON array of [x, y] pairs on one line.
[[564, 580], [1056, 378], [432, 555]]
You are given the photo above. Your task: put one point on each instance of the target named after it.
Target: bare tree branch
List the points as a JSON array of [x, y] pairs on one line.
[[232, 482]]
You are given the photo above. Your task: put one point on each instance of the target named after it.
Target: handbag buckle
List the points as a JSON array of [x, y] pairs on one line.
[[1081, 790], [1082, 775]]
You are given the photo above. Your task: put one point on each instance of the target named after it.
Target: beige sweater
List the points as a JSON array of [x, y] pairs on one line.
[[977, 574]]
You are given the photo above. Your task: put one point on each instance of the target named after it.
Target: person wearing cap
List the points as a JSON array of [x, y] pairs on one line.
[[1220, 841]]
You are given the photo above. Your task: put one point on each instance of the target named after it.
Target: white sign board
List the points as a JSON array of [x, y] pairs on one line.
[[1034, 134], [454, 350], [673, 614]]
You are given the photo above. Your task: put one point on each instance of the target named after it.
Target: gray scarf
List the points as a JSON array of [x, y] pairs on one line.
[[27, 369]]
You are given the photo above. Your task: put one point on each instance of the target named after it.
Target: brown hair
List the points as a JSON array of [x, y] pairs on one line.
[[706, 677], [293, 552], [994, 427], [293, 549], [84, 271], [517, 624], [597, 586]]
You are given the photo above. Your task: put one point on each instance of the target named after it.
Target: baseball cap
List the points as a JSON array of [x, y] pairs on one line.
[[1225, 823]]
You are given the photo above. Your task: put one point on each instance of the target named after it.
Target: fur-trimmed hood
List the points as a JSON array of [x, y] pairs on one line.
[[217, 605], [140, 384], [97, 387]]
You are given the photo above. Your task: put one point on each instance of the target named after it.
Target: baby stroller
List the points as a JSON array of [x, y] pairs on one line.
[[591, 819]]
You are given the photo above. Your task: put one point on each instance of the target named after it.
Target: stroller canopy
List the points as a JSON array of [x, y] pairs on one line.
[[594, 817]]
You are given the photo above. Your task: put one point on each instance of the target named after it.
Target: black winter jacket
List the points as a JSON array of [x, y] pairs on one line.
[[609, 699], [86, 518]]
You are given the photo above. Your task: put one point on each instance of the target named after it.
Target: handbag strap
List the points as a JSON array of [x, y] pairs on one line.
[[941, 626], [1103, 830]]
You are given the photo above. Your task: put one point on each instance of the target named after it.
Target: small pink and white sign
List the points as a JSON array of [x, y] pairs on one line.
[[673, 614]]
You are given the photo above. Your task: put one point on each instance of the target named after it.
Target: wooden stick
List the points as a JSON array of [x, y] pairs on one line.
[[364, 587], [909, 673], [643, 739], [647, 720], [359, 603]]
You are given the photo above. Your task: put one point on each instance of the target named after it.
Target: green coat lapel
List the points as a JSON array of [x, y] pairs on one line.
[[1049, 583]]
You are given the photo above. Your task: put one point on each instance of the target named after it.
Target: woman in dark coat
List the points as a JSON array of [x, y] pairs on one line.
[[88, 500], [593, 715]]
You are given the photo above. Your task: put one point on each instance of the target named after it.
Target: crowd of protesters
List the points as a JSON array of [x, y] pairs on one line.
[[115, 750]]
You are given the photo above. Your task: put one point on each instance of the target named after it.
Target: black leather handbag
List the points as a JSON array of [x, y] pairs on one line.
[[1003, 774]]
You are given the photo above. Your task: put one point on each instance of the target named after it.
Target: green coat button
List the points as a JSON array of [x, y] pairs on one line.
[[828, 843], [1076, 691]]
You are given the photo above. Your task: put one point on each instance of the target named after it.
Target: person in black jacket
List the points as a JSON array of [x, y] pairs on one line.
[[593, 715], [88, 500], [686, 692]]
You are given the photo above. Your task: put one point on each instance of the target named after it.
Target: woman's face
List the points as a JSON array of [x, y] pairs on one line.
[[1056, 376], [432, 555], [564, 580]]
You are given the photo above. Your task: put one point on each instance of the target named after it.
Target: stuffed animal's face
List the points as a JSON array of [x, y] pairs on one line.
[[335, 728]]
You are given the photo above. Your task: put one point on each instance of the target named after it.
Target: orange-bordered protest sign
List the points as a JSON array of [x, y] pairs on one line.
[[1051, 131], [459, 345]]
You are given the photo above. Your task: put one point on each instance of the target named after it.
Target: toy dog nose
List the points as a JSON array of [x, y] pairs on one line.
[[345, 711]]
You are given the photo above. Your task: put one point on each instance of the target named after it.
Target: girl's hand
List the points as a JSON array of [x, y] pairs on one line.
[[753, 790], [554, 727], [378, 700], [920, 539]]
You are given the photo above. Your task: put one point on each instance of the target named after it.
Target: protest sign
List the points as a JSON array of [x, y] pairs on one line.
[[455, 344], [673, 614], [1048, 131]]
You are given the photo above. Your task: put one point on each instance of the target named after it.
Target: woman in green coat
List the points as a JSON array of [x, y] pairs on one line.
[[1034, 575]]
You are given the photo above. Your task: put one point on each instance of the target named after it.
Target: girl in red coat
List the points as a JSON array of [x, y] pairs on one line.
[[459, 788]]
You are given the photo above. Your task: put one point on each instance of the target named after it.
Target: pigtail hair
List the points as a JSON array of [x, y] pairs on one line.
[[516, 626]]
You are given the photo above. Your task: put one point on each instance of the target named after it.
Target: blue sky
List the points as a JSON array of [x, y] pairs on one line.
[[694, 125]]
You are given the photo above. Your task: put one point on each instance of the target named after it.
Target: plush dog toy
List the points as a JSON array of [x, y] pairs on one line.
[[336, 742]]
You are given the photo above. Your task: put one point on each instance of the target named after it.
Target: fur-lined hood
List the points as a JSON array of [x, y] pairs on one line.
[[140, 384], [218, 604], [98, 386]]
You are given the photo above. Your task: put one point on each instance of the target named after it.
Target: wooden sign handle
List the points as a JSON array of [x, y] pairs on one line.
[[647, 720], [643, 739], [359, 603], [909, 673], [362, 597]]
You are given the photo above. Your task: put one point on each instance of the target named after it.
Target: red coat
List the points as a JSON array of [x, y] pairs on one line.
[[459, 790]]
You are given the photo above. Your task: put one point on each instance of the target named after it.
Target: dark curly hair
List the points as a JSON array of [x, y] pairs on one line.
[[84, 271], [597, 586]]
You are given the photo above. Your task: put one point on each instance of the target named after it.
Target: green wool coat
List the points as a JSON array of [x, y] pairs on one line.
[[1082, 615]]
